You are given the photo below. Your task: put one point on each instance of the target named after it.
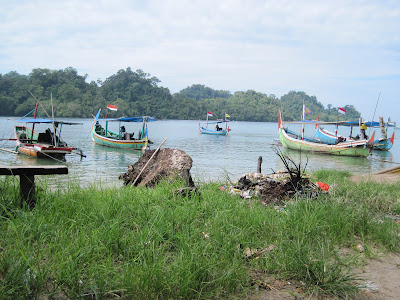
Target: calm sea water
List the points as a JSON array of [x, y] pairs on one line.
[[214, 157]]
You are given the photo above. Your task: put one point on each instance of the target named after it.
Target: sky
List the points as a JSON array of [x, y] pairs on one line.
[[342, 52]]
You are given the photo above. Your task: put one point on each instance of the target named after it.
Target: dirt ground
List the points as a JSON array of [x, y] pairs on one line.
[[381, 278], [381, 178]]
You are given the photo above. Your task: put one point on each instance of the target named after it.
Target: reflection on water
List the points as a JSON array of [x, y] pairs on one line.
[[214, 157]]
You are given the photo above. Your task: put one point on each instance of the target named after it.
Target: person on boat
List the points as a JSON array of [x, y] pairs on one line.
[[363, 127], [341, 139], [122, 132], [50, 136]]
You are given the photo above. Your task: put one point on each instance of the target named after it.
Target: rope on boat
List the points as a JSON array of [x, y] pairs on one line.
[[49, 156]]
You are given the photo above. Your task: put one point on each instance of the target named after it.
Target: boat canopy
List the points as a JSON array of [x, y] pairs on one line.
[[129, 119], [341, 123], [46, 121], [218, 121], [368, 124], [310, 122]]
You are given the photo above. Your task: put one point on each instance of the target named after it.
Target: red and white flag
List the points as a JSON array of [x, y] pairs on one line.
[[112, 107], [209, 114], [342, 110]]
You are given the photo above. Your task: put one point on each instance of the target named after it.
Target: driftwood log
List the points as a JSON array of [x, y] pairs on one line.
[[166, 164]]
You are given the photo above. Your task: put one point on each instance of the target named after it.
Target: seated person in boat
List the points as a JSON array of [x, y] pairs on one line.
[[363, 128], [49, 138], [217, 128], [122, 132]]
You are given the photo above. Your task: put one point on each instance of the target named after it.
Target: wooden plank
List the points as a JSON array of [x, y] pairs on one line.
[[33, 170], [27, 190], [393, 170], [27, 179]]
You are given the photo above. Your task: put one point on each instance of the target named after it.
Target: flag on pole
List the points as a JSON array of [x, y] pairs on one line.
[[342, 110], [307, 111], [112, 107], [227, 116], [209, 114]]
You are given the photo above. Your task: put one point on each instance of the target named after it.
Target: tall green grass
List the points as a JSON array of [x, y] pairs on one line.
[[148, 244]]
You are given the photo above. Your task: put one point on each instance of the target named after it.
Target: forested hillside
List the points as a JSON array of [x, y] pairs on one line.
[[137, 93]]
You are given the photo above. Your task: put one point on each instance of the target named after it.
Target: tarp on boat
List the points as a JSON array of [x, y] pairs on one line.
[[217, 122], [341, 123], [46, 121], [128, 119]]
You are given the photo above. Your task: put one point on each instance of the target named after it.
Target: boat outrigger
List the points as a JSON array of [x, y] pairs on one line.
[[294, 141], [102, 135], [218, 130]]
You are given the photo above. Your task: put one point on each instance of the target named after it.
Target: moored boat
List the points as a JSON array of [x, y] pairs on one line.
[[295, 141], [47, 144], [384, 143], [218, 130], [102, 135], [42, 145]]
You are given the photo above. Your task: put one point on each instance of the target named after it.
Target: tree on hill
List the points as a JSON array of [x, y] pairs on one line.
[[200, 92]]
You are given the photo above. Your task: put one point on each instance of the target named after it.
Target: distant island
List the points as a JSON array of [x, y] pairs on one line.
[[137, 93]]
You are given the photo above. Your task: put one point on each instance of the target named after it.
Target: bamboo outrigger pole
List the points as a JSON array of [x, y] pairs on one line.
[[155, 152], [6, 150]]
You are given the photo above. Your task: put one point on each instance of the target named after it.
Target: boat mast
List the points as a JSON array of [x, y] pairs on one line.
[[52, 117], [34, 116], [302, 125], [207, 120], [337, 124], [106, 125], [226, 122]]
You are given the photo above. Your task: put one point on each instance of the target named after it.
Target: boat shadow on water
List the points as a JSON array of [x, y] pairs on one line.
[[99, 152]]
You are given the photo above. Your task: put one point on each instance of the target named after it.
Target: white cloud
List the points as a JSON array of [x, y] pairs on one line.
[[343, 52]]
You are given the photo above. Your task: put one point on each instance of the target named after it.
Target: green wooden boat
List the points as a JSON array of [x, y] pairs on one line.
[[103, 136], [294, 141]]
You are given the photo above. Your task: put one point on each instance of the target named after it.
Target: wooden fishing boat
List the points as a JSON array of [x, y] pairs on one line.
[[47, 144], [102, 135], [42, 145], [384, 143], [295, 141], [327, 137], [218, 130]]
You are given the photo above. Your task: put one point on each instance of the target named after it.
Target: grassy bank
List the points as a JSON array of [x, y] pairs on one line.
[[148, 244]]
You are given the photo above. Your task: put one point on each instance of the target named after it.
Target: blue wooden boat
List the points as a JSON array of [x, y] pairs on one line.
[[384, 143], [208, 127]]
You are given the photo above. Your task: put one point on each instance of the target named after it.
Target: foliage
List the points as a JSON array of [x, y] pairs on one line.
[[138, 93], [201, 92], [292, 109]]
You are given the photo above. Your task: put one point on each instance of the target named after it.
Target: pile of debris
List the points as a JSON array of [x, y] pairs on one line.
[[279, 186], [274, 188]]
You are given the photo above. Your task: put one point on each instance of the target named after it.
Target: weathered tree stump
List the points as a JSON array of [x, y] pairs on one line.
[[166, 164]]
